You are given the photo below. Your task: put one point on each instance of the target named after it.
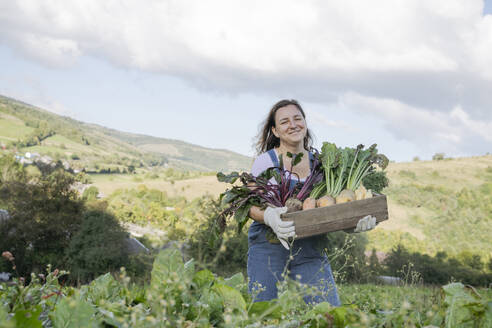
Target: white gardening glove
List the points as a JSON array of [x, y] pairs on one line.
[[366, 223], [283, 229]]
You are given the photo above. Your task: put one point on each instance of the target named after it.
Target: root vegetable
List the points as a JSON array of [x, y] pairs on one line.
[[345, 196], [368, 194], [309, 203], [360, 193], [325, 201], [293, 205]]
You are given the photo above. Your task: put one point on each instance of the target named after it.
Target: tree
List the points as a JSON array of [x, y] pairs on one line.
[[374, 264], [438, 157], [97, 247], [44, 216]]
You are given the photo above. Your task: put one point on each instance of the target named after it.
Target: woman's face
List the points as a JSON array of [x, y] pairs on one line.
[[290, 126]]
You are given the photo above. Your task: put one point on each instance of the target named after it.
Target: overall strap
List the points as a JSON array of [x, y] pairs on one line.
[[273, 157], [311, 159]]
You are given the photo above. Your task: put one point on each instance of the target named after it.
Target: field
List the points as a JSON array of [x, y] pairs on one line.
[[189, 188], [424, 199]]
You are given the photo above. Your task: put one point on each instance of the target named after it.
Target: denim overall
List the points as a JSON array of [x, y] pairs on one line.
[[267, 261]]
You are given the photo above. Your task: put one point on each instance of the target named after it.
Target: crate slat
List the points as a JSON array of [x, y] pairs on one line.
[[321, 220]]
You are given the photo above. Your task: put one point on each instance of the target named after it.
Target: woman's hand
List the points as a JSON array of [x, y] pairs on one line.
[[366, 223], [283, 229]]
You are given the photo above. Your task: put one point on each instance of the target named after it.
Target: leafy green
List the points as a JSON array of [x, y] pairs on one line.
[[346, 168], [74, 312]]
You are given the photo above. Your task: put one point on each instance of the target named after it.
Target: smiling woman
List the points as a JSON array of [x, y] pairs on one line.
[[285, 131]]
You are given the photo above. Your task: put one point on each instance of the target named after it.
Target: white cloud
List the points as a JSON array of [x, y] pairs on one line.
[[452, 132], [320, 118], [426, 63]]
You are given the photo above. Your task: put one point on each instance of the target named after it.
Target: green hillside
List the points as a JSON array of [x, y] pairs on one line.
[[25, 128], [439, 205]]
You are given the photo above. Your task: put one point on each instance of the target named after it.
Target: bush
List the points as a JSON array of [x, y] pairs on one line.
[[97, 247], [90, 194], [437, 270], [44, 216], [438, 157]]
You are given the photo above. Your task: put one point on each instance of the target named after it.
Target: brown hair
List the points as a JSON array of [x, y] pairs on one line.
[[266, 140]]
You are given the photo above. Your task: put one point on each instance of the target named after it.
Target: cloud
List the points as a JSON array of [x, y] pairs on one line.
[[453, 132], [427, 63], [320, 118]]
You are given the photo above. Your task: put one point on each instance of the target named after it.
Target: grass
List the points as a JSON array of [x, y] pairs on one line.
[[189, 188], [12, 128], [433, 205], [438, 205]]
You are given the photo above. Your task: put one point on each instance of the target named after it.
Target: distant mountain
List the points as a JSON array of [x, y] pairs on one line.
[[26, 128]]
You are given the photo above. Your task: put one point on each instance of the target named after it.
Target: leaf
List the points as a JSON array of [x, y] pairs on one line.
[[105, 288], [168, 265], [231, 297], [203, 279], [459, 304], [71, 312], [265, 309], [339, 315], [28, 318], [4, 319], [228, 196], [241, 215], [236, 281], [230, 178], [296, 159]]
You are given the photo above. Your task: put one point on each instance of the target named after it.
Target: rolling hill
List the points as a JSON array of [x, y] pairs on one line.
[[26, 128]]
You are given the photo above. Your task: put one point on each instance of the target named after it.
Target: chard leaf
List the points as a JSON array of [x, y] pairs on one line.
[[296, 159], [230, 178], [241, 215]]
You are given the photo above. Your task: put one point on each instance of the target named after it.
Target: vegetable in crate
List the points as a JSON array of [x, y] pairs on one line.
[[344, 171], [261, 191]]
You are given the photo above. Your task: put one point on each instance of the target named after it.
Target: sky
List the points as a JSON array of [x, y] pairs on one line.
[[413, 76]]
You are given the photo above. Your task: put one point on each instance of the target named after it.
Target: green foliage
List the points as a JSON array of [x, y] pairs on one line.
[[97, 246], [346, 255], [439, 269], [49, 223], [44, 216], [179, 295], [376, 181], [452, 217], [466, 308], [438, 157], [90, 194]]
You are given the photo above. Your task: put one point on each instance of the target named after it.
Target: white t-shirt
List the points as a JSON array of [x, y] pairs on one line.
[[263, 162]]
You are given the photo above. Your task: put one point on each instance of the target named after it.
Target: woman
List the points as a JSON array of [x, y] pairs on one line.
[[285, 131]]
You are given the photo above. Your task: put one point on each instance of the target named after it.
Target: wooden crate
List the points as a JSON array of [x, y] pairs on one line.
[[321, 220]]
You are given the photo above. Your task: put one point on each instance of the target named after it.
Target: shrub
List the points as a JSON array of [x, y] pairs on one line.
[[90, 193], [98, 246], [438, 157], [44, 216]]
